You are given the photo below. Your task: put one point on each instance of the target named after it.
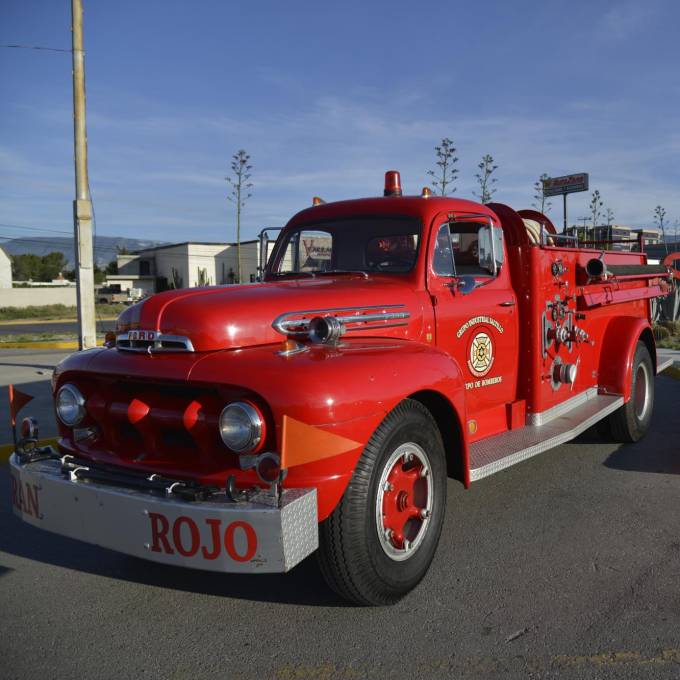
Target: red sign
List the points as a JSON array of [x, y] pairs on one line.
[[568, 184]]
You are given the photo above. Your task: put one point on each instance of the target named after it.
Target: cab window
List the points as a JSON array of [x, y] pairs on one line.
[[308, 250], [465, 248], [375, 243]]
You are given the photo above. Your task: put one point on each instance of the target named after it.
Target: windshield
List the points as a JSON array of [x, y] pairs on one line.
[[356, 244]]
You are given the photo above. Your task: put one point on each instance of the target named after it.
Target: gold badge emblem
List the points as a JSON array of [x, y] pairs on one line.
[[481, 355]]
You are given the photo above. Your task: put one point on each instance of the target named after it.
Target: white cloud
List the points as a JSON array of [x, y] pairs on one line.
[[165, 175]]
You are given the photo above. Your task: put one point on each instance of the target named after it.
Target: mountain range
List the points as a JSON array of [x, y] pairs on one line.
[[105, 248]]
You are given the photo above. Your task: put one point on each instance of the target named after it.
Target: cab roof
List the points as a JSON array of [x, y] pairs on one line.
[[421, 207]]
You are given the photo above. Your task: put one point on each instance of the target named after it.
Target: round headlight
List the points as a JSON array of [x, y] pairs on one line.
[[241, 427], [70, 405]]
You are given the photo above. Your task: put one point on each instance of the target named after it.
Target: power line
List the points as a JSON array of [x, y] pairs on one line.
[[22, 226], [37, 47]]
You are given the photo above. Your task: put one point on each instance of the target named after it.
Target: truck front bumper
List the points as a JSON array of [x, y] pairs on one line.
[[213, 534]]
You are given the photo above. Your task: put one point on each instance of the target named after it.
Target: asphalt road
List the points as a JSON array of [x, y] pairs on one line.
[[64, 327], [565, 566]]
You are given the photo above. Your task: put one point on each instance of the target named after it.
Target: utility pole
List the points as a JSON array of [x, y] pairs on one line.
[[82, 206]]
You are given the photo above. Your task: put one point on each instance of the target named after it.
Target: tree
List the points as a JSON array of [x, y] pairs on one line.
[[112, 267], [595, 209], [486, 183], [26, 267], [609, 218], [541, 202], [52, 265], [99, 275], [446, 173], [239, 194], [29, 267], [660, 221]]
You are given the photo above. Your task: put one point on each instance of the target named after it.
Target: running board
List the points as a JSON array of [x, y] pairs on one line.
[[663, 362], [494, 454]]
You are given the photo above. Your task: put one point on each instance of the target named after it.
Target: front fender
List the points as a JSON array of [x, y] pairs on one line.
[[345, 390], [618, 352]]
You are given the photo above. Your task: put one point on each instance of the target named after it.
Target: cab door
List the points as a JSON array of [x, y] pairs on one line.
[[475, 309]]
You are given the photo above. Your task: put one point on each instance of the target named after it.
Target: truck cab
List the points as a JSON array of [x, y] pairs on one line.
[[394, 342]]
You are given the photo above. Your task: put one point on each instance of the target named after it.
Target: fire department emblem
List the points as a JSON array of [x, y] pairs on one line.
[[481, 355]]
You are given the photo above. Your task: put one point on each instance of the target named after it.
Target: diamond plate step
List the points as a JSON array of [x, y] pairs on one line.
[[494, 454], [663, 362]]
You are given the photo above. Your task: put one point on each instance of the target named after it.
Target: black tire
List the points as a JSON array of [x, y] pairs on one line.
[[360, 564], [631, 422]]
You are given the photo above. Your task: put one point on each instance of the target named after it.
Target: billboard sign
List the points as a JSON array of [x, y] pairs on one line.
[[568, 184]]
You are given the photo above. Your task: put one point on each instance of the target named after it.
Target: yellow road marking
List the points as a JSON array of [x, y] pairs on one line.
[[69, 344], [482, 666], [672, 371]]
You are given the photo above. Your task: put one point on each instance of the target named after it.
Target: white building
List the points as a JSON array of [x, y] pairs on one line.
[[185, 265], [5, 270]]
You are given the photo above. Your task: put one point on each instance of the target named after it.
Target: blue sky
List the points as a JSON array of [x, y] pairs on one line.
[[326, 98]]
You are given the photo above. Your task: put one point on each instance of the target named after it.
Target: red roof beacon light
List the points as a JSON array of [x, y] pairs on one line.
[[427, 192], [392, 183]]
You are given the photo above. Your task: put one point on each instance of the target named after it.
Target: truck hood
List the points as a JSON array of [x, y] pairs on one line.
[[237, 316]]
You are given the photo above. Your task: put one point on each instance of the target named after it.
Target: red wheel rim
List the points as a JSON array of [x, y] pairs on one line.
[[404, 501]]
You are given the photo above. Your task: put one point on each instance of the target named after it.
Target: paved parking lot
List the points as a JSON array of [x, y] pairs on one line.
[[565, 566], [30, 371]]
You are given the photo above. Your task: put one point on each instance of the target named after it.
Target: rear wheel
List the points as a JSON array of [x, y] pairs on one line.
[[631, 422], [380, 540]]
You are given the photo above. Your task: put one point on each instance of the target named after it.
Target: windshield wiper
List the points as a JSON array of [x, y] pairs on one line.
[[320, 272]]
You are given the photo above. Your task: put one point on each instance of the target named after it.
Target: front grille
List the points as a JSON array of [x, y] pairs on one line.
[[166, 424], [160, 343]]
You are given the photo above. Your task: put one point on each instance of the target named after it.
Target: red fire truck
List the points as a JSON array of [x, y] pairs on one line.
[[394, 342]]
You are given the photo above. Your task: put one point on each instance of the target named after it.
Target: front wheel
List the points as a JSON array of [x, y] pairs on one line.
[[631, 422], [379, 541]]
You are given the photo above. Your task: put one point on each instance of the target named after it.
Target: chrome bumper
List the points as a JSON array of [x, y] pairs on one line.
[[213, 534]]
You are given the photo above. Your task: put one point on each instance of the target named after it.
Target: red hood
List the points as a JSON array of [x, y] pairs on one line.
[[230, 317]]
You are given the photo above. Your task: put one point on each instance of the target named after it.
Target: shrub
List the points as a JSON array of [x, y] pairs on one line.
[[661, 333], [672, 326]]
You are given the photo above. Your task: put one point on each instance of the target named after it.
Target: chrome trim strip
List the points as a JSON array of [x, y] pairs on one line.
[[157, 346], [543, 417], [286, 322]]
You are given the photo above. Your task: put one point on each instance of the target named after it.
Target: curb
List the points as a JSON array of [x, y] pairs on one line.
[[68, 344], [38, 322], [6, 450]]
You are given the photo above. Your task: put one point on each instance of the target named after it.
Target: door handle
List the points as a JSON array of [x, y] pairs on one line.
[[508, 303]]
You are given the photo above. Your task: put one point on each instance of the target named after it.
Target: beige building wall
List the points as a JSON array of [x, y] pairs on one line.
[[5, 270], [227, 262], [189, 264], [27, 297]]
